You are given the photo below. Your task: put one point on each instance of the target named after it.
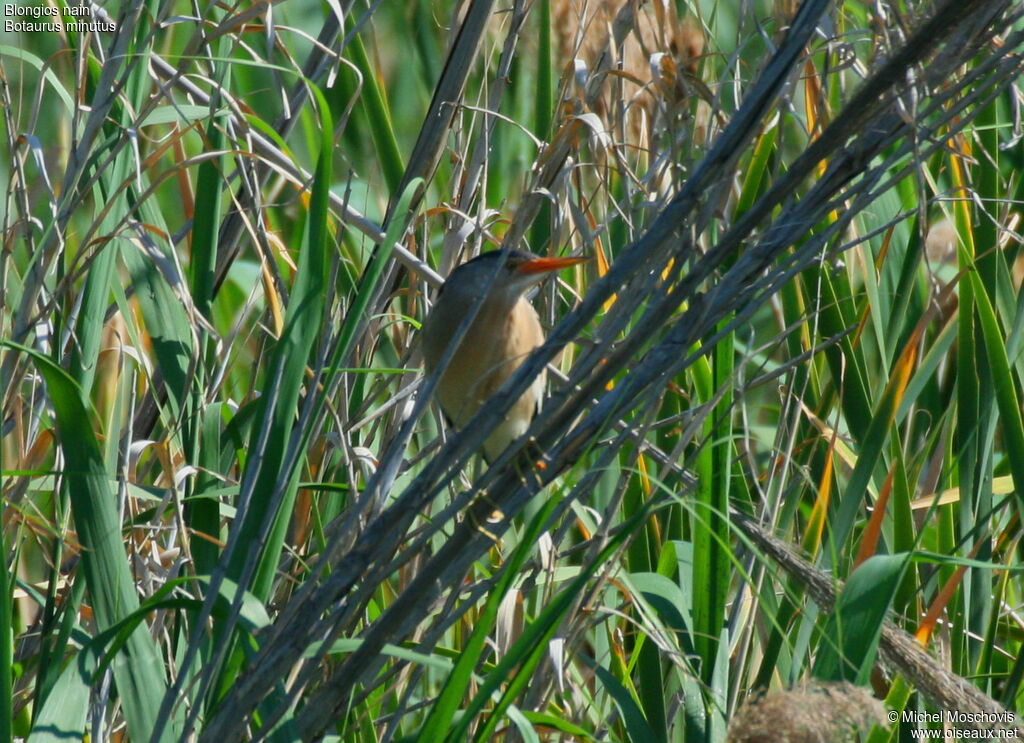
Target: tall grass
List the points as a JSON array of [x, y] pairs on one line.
[[778, 476]]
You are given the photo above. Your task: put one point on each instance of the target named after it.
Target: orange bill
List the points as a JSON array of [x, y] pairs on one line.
[[546, 265]]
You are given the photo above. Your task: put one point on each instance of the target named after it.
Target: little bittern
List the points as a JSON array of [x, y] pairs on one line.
[[501, 336]]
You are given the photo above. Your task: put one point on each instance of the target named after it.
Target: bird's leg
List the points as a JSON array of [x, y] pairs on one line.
[[496, 515], [531, 461], [529, 464]]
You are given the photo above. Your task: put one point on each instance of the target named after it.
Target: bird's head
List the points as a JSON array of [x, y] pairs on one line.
[[504, 275]]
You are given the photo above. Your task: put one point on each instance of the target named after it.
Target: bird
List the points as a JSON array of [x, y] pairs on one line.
[[503, 333]]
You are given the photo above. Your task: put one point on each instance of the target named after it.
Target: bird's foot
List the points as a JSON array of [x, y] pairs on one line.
[[484, 504], [531, 464]]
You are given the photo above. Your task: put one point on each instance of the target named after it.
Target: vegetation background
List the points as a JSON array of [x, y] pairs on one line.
[[784, 452]]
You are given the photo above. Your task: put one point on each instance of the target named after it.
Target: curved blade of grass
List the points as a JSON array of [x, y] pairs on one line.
[[48, 74], [855, 625], [1003, 381], [49, 665], [636, 725], [63, 714], [138, 675], [558, 725], [374, 103], [282, 386], [664, 597], [164, 317]]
